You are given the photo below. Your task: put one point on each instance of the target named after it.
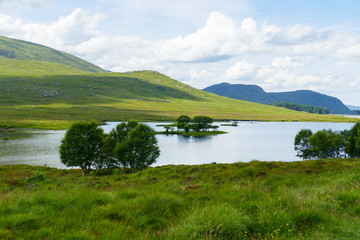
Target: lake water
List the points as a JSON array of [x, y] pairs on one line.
[[264, 141]]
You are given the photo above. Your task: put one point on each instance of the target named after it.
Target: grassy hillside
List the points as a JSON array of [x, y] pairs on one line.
[[256, 200], [12, 49], [45, 88], [26, 99]]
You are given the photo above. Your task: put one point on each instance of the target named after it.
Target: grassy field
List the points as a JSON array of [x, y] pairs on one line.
[[256, 200], [56, 100], [45, 88]]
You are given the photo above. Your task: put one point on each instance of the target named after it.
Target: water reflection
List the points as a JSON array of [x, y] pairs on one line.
[[197, 139], [265, 141]]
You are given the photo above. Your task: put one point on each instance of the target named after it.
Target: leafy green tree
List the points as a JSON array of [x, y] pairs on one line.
[[302, 145], [139, 149], [203, 122], [182, 121], [322, 144], [81, 146], [122, 130], [353, 141], [109, 159], [187, 128], [116, 137]]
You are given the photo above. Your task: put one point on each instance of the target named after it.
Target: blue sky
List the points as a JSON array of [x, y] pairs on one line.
[[279, 45]]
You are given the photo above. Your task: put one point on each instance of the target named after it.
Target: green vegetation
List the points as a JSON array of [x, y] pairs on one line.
[[303, 108], [199, 125], [257, 200], [328, 143], [131, 144], [58, 100], [11, 49], [45, 88]]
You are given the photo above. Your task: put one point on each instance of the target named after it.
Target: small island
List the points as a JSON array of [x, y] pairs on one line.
[[197, 127]]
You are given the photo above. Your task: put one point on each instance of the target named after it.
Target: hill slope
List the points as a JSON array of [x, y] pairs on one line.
[[12, 50], [39, 92], [254, 93]]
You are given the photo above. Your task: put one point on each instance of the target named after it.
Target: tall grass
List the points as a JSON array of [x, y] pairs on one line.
[[257, 200]]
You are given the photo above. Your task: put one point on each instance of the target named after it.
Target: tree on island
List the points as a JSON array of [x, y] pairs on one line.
[[203, 123], [81, 146], [182, 121]]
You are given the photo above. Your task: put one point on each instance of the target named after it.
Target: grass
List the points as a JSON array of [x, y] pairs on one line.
[[256, 200], [12, 49], [45, 88], [37, 99]]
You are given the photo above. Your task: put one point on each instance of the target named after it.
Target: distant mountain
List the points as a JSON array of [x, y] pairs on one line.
[[256, 94], [351, 107], [12, 50]]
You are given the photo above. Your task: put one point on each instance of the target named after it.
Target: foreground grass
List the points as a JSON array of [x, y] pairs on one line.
[[256, 200]]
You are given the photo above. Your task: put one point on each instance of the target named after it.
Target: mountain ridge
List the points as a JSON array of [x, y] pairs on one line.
[[254, 93]]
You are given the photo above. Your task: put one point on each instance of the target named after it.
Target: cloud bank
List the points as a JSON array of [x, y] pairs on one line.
[[274, 57]]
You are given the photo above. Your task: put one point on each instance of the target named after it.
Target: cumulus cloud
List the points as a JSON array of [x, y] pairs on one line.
[[285, 74], [241, 70], [222, 50], [219, 39], [286, 62], [63, 34]]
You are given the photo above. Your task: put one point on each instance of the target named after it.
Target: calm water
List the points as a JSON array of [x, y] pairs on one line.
[[265, 141]]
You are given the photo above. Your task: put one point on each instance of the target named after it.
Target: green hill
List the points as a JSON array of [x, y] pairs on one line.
[[38, 92], [12, 50]]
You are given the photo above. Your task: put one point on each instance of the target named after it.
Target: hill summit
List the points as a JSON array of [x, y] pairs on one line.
[[17, 50], [254, 93]]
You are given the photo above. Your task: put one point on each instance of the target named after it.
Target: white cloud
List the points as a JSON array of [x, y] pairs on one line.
[[286, 62], [240, 70], [278, 59], [351, 52], [219, 39], [63, 34]]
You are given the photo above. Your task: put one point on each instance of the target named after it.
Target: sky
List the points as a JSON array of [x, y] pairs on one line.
[[279, 45]]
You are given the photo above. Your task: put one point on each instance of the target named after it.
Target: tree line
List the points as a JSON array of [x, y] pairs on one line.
[[197, 124], [302, 108], [328, 143], [129, 145]]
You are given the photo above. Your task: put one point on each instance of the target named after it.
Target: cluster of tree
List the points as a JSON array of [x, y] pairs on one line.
[[356, 112], [129, 145], [302, 108], [328, 143], [197, 124]]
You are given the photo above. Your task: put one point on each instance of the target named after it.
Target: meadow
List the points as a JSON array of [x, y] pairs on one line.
[[256, 200], [58, 98]]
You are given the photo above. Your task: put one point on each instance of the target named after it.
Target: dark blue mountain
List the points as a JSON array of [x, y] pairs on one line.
[[254, 93]]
